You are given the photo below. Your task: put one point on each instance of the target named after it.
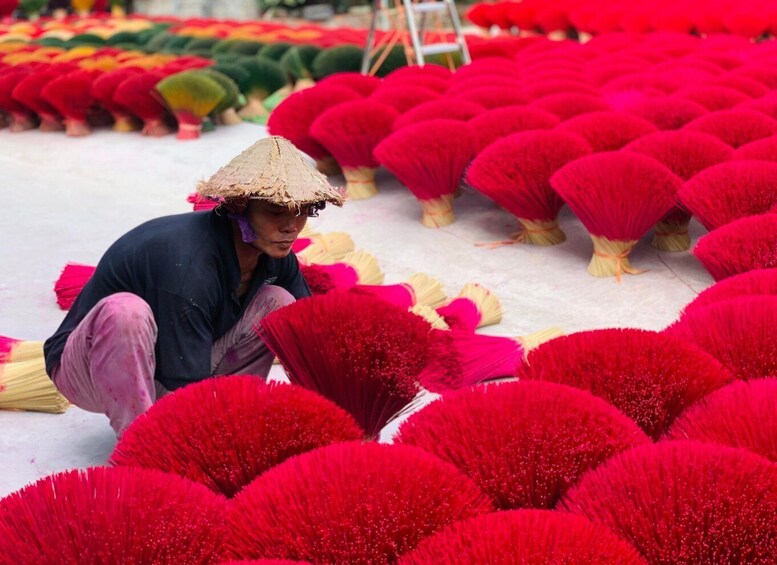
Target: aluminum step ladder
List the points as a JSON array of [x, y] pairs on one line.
[[412, 18]]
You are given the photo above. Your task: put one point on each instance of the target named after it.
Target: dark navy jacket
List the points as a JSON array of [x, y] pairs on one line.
[[185, 267]]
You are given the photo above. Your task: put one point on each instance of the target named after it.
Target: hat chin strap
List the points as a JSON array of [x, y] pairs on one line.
[[247, 233]]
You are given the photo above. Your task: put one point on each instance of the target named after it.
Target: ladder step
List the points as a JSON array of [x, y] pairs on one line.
[[429, 7], [440, 48]]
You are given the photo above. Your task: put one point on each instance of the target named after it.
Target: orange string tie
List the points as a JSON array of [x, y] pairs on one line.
[[518, 237], [620, 265]]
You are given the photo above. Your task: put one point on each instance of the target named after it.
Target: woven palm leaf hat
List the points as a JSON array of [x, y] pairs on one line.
[[272, 170]]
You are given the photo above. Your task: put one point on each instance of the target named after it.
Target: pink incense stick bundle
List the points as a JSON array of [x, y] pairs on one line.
[[667, 112], [293, 117], [22, 116], [729, 191], [524, 536], [616, 218], [226, 431], [459, 359], [444, 108], [487, 66], [740, 246], [135, 94], [363, 84], [199, 203], [350, 131], [714, 98], [429, 159], [501, 122], [403, 98], [760, 150], [435, 83], [685, 153], [648, 83], [419, 289], [459, 87], [340, 504], [71, 96], [103, 90], [29, 92], [515, 172], [758, 282], [411, 72], [570, 104], [649, 376], [764, 73], [739, 332], [558, 86], [358, 267], [493, 97], [735, 127], [766, 105], [368, 360], [71, 281], [323, 249], [608, 131], [750, 87], [474, 307], [523, 443], [653, 497], [742, 414], [73, 517]]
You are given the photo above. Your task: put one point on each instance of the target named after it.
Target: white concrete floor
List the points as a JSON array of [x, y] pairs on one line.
[[68, 199]]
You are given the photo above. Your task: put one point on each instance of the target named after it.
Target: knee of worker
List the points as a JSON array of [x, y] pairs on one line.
[[126, 312], [275, 298]]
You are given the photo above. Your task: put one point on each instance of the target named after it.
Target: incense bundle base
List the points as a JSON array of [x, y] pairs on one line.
[[229, 117], [50, 123], [21, 122], [24, 384], [253, 109], [611, 258], [438, 212], [539, 232], [328, 166], [360, 182], [155, 128], [77, 128], [672, 235], [124, 123]]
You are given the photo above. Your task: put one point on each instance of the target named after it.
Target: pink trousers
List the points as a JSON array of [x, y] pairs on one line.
[[108, 362]]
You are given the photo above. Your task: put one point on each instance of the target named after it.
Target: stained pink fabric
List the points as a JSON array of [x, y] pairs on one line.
[[108, 363]]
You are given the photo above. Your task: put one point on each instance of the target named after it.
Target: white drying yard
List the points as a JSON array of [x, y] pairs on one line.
[[68, 199]]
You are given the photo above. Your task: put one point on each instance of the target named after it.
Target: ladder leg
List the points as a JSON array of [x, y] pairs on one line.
[[413, 30], [465, 57], [376, 7]]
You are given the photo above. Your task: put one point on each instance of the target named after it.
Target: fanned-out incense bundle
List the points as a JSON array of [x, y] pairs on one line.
[[201, 203], [24, 384], [443, 108], [420, 289], [523, 443], [357, 267], [684, 503], [191, 96], [760, 150], [350, 503], [366, 362], [515, 172], [22, 117], [524, 536], [666, 112], [730, 191], [266, 77], [474, 307], [493, 97], [226, 110], [618, 197], [322, 248], [501, 122], [135, 94], [70, 283], [739, 332], [649, 376], [570, 104], [458, 87], [293, 117], [71, 96], [103, 89], [403, 98], [225, 432], [429, 159], [739, 246], [685, 153], [28, 92], [735, 127], [714, 98], [608, 131], [363, 84], [350, 131], [459, 359], [119, 515], [758, 282]]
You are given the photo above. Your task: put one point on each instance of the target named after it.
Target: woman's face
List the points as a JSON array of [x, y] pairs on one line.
[[276, 227]]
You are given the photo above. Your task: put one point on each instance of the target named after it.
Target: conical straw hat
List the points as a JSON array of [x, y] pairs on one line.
[[273, 170]]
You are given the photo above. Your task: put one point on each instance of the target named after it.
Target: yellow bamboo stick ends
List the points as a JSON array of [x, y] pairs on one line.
[[543, 233], [360, 182], [428, 290], [366, 267], [427, 313], [487, 303], [535, 339], [24, 384], [326, 248], [611, 258], [438, 212], [671, 235]]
